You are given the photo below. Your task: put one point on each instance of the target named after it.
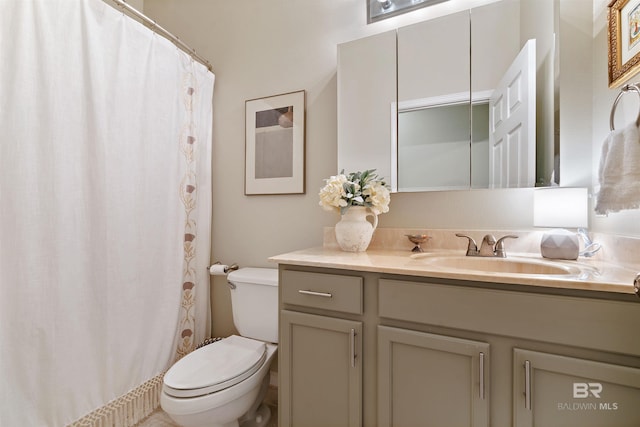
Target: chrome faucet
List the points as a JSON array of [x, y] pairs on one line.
[[486, 247], [490, 247]]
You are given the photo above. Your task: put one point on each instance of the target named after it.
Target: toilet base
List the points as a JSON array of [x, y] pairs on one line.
[[259, 413], [259, 418]]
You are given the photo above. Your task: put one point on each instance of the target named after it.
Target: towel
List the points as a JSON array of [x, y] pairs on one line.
[[619, 171]]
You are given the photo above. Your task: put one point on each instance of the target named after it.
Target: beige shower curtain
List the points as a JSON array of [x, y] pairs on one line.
[[105, 205]]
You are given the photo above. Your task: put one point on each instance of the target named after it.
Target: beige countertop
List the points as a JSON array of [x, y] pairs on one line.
[[593, 275]]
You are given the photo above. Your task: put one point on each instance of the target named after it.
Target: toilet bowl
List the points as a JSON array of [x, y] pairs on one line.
[[224, 383], [196, 404]]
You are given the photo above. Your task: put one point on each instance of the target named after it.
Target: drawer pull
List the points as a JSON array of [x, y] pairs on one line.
[[315, 294], [527, 385], [481, 376], [352, 347]]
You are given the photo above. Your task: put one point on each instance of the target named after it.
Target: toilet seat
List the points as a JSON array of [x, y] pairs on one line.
[[215, 367]]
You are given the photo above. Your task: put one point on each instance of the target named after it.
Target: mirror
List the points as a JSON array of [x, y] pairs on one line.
[[438, 135], [434, 119], [366, 95]]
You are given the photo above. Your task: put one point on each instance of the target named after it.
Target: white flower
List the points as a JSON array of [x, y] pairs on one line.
[[379, 197], [356, 189], [333, 195]]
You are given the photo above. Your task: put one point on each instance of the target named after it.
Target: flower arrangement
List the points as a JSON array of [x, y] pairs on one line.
[[355, 189]]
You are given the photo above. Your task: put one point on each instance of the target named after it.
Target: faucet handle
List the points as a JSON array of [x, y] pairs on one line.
[[499, 248], [472, 248]]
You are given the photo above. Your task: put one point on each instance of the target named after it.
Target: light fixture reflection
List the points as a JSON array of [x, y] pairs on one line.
[[382, 9], [385, 4]]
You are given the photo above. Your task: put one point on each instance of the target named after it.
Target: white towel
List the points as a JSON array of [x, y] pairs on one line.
[[619, 171]]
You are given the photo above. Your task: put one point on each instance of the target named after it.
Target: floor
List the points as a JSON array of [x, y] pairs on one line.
[[157, 419], [160, 419]]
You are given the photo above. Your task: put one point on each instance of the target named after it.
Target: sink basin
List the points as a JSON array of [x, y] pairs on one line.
[[509, 265]]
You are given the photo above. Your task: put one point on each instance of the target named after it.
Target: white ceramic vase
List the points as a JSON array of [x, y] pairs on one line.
[[353, 231]]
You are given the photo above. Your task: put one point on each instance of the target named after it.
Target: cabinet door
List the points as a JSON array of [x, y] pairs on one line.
[[552, 390], [320, 371], [434, 104], [431, 380], [366, 104]]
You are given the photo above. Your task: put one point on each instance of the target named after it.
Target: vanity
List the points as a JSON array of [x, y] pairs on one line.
[[387, 337], [390, 338]]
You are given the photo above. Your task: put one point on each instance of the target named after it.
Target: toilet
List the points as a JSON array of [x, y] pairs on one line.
[[224, 383]]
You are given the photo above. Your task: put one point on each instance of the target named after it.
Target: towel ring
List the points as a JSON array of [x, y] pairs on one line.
[[623, 90]]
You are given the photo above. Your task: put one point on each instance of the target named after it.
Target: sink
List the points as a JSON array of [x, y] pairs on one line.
[[509, 265]]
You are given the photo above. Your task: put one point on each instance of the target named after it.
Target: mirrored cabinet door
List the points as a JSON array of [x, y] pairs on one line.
[[495, 35], [434, 115], [439, 131], [433, 58], [366, 96]]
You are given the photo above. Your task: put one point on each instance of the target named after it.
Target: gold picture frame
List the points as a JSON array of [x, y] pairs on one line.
[[623, 32], [275, 144]]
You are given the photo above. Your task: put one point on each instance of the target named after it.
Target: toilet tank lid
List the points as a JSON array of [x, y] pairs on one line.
[[261, 276]]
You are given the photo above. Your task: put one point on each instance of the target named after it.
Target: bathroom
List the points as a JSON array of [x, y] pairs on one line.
[[260, 49], [304, 37], [289, 46]]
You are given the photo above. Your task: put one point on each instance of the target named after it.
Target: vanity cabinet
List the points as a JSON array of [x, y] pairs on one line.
[[541, 345], [552, 390], [431, 380], [320, 356], [322, 377], [362, 348]]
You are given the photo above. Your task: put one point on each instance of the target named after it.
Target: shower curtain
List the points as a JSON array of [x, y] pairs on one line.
[[105, 205]]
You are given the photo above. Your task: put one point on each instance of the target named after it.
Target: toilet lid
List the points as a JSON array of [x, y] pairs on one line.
[[215, 367]]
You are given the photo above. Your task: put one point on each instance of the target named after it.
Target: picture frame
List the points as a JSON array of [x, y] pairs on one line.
[[275, 144], [623, 32]]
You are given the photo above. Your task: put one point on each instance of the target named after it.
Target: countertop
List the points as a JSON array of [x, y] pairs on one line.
[[595, 275]]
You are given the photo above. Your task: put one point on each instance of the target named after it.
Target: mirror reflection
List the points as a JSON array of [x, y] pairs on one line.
[[434, 117], [477, 108]]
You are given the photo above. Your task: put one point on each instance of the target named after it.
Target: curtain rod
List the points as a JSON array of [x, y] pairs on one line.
[[157, 28]]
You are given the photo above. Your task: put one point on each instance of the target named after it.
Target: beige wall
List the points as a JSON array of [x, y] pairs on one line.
[[261, 48], [625, 222], [138, 4]]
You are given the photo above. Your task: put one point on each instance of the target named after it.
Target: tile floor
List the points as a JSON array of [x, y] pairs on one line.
[[160, 419], [157, 419]]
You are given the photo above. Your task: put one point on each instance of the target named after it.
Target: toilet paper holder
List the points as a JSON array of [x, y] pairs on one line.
[[227, 268]]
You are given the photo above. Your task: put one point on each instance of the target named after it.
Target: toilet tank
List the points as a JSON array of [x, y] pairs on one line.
[[254, 302]]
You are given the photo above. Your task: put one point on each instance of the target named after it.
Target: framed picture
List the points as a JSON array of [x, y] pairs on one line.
[[623, 30], [275, 144]]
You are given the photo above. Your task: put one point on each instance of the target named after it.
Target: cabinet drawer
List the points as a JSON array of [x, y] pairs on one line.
[[325, 291]]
